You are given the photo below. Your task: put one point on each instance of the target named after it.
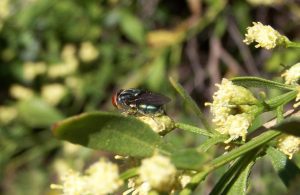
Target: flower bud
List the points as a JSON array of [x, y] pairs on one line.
[[265, 36], [233, 109], [289, 145], [162, 124], [159, 172]]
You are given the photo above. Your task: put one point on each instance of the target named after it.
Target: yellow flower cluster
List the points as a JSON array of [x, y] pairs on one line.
[[20, 92], [53, 93], [155, 173], [160, 124], [292, 77], [164, 38], [159, 172], [99, 179], [4, 11], [69, 63], [88, 52], [72, 184], [136, 187], [232, 109], [265, 36], [265, 2], [7, 114], [103, 178], [289, 145], [236, 126], [31, 69], [297, 98]]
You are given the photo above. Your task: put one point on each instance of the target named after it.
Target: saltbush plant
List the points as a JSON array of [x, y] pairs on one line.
[[156, 166]]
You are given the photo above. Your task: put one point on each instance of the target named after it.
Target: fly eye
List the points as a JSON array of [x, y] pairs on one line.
[[114, 100]]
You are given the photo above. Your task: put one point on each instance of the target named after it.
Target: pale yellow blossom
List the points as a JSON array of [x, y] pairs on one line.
[[159, 172], [236, 126], [297, 98], [53, 93], [75, 84], [33, 69], [100, 178], [292, 75], [62, 69], [20, 92], [289, 145], [160, 124], [4, 11], [73, 183], [88, 52], [68, 52], [136, 187], [71, 149], [184, 180], [68, 65], [265, 36], [232, 109], [7, 114], [103, 178], [265, 2], [164, 38]]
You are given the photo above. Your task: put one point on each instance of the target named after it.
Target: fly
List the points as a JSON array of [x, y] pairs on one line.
[[137, 101]]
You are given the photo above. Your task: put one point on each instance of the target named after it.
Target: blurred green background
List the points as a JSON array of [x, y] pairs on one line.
[[59, 58]]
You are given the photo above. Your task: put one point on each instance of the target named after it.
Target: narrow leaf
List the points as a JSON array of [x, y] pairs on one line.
[[157, 72], [283, 99], [224, 159], [235, 153], [230, 179], [241, 183], [111, 132], [189, 100], [132, 27], [196, 179], [129, 173], [210, 142], [193, 129], [37, 113], [189, 159], [286, 169], [260, 83]]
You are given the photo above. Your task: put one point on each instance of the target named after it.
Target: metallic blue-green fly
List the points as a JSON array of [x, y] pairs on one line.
[[138, 101]]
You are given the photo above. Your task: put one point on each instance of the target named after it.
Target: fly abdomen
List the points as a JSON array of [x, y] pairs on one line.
[[150, 109]]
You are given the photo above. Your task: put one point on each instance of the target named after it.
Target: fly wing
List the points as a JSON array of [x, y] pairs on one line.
[[151, 98]]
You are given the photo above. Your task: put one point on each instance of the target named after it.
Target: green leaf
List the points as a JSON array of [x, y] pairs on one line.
[[286, 169], [189, 100], [241, 183], [37, 113], [133, 28], [283, 99], [157, 73], [129, 173], [211, 141], [290, 126], [279, 113], [193, 129], [226, 158], [111, 132], [196, 179], [260, 83], [245, 148], [189, 159], [235, 179]]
